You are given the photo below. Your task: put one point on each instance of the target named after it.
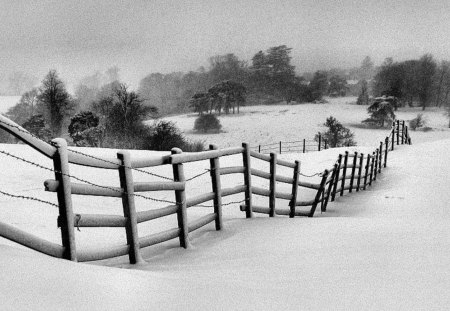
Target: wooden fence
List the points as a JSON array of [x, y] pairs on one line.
[[350, 172], [297, 146]]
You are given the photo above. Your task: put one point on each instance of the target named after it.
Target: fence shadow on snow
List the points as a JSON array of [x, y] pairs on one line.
[[351, 172]]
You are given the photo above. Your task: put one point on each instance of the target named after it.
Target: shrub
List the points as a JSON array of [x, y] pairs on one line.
[[417, 122], [206, 123], [337, 134], [36, 126], [164, 136], [84, 130]]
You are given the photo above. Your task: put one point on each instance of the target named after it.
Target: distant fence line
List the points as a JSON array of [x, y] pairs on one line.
[[350, 172], [298, 146]]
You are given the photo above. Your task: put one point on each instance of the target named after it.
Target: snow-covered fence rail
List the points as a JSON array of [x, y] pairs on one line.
[[350, 172]]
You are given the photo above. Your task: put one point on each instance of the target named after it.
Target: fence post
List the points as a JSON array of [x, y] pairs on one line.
[[326, 144], [180, 197], [259, 149], [355, 158], [319, 193], [371, 168], [380, 162], [304, 145], [398, 132], [247, 181], [320, 140], [376, 165], [293, 201], [361, 160], [386, 142], [66, 217], [344, 172], [216, 188], [393, 136], [367, 171], [336, 178], [330, 186], [129, 208], [403, 132], [273, 183]]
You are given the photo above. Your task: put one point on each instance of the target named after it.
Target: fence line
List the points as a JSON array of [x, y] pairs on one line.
[[347, 174], [300, 146]]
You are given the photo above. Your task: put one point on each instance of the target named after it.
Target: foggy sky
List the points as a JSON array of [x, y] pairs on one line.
[[79, 37]]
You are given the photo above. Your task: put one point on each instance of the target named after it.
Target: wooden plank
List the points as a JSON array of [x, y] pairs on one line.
[[260, 156], [361, 162], [231, 170], [204, 155], [150, 161], [366, 174], [233, 190], [260, 191], [85, 189], [202, 198], [285, 163], [305, 184], [344, 172], [294, 191], [203, 221], [304, 203], [352, 178], [105, 253], [247, 179], [260, 173], [180, 198], [99, 220], [31, 241], [64, 194], [216, 188], [330, 186], [338, 170], [284, 179], [158, 186], [129, 208], [273, 184], [159, 237], [156, 213], [319, 193]]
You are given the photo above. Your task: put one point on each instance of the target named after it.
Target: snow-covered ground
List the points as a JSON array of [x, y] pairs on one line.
[[385, 248], [271, 124]]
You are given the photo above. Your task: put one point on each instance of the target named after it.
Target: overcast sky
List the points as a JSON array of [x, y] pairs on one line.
[[78, 37]]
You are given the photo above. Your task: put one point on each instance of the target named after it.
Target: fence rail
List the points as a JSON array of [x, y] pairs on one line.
[[351, 171], [299, 146]]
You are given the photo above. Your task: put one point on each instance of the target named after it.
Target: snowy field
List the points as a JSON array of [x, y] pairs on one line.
[[271, 124], [385, 248]]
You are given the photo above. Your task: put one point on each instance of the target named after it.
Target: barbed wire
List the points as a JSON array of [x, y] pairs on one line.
[[28, 198], [111, 162]]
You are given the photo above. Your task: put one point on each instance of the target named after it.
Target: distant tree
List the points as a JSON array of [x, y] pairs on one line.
[[338, 86], [443, 73], [337, 135], [389, 80], [25, 108], [318, 85], [200, 102], [227, 94], [226, 67], [426, 71], [207, 123], [84, 129], [363, 97], [381, 111], [418, 121], [54, 102]]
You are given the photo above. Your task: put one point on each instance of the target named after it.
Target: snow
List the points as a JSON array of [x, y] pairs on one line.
[[385, 248]]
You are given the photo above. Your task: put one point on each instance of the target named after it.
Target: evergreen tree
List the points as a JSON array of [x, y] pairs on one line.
[[337, 135], [381, 111], [54, 103]]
